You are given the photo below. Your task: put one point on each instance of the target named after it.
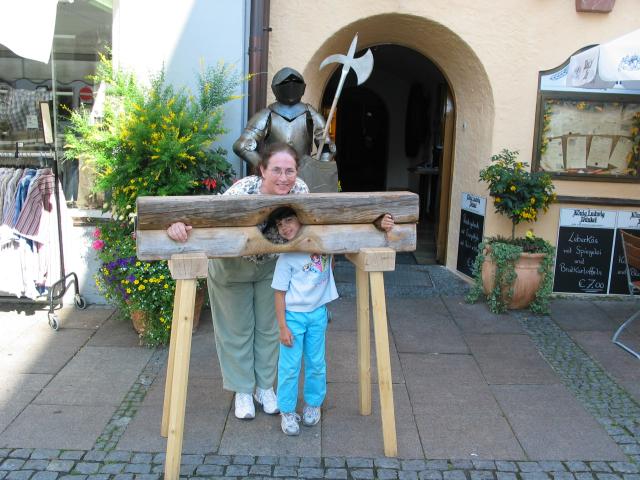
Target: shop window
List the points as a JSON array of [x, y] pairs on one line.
[[586, 134], [82, 31]]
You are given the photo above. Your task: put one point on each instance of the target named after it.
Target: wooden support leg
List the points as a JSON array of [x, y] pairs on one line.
[[186, 269], [384, 364], [164, 428], [364, 341], [187, 294]]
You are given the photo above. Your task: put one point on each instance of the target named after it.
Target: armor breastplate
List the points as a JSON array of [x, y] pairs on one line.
[[296, 133]]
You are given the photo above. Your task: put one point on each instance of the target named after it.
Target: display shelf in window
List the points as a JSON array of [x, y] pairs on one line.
[[586, 134]]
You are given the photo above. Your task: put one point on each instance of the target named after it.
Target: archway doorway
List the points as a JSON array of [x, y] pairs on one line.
[[395, 132]]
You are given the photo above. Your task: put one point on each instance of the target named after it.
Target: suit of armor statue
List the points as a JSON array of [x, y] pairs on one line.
[[293, 122]]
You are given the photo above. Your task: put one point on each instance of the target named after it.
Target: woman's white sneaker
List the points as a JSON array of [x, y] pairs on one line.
[[290, 423], [244, 407], [268, 400]]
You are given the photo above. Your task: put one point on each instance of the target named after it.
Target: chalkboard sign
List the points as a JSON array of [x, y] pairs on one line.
[[628, 221], [471, 230], [584, 250]]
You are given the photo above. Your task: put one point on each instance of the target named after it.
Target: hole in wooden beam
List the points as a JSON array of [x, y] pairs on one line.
[[283, 225]]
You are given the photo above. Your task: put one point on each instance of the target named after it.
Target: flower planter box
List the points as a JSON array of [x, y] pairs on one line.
[[595, 6], [527, 283]]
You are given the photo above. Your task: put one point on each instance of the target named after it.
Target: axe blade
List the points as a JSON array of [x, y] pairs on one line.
[[363, 66]]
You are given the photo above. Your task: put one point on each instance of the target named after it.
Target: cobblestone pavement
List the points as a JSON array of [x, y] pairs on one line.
[[596, 390], [41, 464]]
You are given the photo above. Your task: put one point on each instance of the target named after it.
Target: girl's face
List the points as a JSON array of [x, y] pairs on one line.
[[288, 227], [280, 175]]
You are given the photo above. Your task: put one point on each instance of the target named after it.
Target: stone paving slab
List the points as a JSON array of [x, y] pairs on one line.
[[573, 314], [622, 366], [447, 385], [83, 380], [477, 319], [487, 436], [415, 332], [115, 332], [343, 315], [550, 424], [619, 310], [347, 433], [56, 426], [91, 318], [17, 390], [263, 436], [510, 359], [341, 356]]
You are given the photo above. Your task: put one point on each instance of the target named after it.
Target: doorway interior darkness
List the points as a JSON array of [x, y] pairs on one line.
[[389, 133]]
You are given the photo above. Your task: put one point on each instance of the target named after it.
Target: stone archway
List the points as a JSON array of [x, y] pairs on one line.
[[465, 74]]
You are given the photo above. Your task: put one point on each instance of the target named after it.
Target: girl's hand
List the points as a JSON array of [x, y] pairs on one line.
[[385, 222], [179, 231], [285, 337]]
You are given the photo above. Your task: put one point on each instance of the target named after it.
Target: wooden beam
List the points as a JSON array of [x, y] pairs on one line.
[[209, 211], [184, 266], [240, 241], [374, 259]]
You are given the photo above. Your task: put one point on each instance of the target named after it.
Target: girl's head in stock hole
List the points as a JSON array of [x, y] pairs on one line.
[[286, 221]]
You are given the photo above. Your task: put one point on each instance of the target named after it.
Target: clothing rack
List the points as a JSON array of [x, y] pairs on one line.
[[59, 288]]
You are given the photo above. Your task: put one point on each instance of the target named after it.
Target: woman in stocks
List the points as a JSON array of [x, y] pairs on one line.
[[244, 320]]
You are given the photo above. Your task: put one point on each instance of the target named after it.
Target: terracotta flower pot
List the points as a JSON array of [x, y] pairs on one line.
[[139, 317], [528, 279], [596, 6]]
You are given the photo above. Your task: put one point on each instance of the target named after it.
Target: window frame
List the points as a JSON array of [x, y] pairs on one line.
[[575, 95]]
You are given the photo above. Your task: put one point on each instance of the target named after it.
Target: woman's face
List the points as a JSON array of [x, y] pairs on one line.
[[280, 175]]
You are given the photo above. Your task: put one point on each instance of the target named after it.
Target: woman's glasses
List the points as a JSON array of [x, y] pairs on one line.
[[277, 171]]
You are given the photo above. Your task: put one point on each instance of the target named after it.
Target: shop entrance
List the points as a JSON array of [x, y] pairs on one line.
[[395, 132]]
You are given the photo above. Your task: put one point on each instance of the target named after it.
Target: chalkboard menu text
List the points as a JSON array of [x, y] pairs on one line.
[[471, 230], [584, 250], [627, 221]]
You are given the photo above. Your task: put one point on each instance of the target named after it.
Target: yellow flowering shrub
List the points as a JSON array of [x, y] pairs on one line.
[[518, 193], [155, 140]]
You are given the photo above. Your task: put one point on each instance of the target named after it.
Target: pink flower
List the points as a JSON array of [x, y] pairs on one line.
[[97, 244], [97, 233]]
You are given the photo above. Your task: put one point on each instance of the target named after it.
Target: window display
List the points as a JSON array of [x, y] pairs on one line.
[[584, 134], [82, 31]]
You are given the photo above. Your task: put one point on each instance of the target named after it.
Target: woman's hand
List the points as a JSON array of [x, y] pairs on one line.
[[385, 222], [285, 336], [179, 232]]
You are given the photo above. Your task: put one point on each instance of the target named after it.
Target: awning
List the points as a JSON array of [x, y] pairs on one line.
[[27, 27], [603, 66]]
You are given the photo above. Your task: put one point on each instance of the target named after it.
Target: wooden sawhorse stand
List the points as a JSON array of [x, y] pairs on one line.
[[226, 226], [187, 268]]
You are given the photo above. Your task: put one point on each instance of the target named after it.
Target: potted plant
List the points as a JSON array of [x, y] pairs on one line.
[[149, 140], [515, 272]]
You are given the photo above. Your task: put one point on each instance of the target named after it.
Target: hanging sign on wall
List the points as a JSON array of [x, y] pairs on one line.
[[628, 221], [471, 230], [584, 250]]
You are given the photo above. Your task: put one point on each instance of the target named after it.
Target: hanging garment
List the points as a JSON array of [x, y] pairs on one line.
[[10, 194], [38, 199], [21, 194]]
